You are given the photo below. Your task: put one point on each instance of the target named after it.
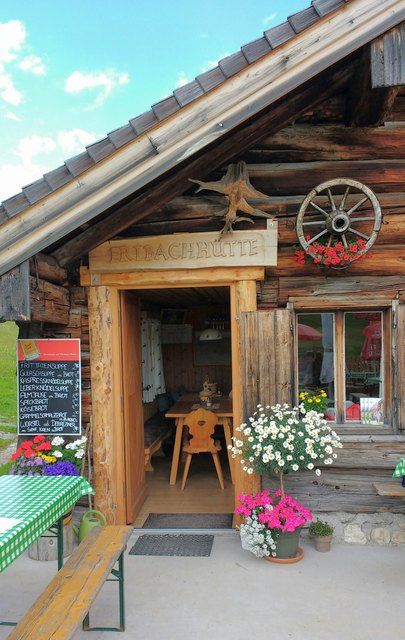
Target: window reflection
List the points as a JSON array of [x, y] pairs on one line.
[[316, 363], [363, 350]]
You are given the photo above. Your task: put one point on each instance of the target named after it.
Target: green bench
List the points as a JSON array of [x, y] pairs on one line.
[[65, 603]]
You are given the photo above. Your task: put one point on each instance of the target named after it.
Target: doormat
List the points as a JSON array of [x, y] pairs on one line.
[[173, 545], [188, 521]]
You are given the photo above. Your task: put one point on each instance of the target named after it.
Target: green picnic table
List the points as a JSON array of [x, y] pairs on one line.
[[30, 505]]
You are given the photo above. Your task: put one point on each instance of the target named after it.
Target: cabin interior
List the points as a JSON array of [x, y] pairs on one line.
[[182, 315]]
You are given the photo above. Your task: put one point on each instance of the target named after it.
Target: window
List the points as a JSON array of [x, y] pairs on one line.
[[342, 352]]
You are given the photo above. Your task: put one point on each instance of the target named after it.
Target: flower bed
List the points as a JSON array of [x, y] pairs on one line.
[[38, 457]]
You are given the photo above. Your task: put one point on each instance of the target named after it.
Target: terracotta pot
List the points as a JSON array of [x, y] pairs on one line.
[[299, 555], [322, 543]]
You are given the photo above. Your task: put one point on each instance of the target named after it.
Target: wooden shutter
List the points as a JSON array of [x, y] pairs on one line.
[[267, 358]]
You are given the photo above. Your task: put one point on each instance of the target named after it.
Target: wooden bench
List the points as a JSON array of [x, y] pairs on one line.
[[65, 603], [392, 488], [156, 430]]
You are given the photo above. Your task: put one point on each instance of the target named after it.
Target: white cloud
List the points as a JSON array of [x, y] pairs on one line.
[[11, 116], [210, 64], [74, 141], [38, 154], [33, 64], [105, 81], [8, 92], [12, 36], [269, 19], [28, 148], [181, 80], [14, 177]]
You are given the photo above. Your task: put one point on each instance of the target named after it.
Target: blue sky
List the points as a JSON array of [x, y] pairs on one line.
[[70, 72]]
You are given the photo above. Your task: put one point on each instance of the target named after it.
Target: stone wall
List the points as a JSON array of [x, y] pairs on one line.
[[364, 528]]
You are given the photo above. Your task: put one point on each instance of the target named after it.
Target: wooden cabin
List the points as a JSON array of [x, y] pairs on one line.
[[197, 214]]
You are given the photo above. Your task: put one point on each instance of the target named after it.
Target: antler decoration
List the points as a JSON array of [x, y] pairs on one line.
[[236, 187]]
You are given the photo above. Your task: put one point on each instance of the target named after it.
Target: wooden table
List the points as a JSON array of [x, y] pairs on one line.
[[221, 405]]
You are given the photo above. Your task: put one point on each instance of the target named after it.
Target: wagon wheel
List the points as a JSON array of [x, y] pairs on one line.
[[350, 213]]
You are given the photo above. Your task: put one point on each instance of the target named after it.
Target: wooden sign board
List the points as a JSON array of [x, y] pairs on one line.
[[187, 251], [49, 387]]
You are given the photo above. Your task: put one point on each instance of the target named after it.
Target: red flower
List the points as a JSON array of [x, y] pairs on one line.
[[334, 254], [38, 439], [45, 446]]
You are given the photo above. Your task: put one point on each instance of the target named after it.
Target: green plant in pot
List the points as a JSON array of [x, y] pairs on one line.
[[322, 533], [277, 440]]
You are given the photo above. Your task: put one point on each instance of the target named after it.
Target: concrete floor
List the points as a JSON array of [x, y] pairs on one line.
[[351, 592]]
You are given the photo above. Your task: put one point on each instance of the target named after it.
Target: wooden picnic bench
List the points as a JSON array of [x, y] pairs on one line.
[[392, 488], [65, 603]]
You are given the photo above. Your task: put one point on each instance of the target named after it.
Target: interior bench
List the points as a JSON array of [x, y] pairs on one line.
[[156, 430], [65, 603]]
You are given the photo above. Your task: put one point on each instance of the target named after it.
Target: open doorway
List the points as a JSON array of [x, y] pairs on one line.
[[183, 366]]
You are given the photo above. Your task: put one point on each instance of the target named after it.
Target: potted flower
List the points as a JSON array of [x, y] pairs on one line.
[[333, 254], [272, 525], [282, 439], [314, 400], [322, 533]]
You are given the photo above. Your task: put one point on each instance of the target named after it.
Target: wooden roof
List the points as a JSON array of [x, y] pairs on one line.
[[111, 181]]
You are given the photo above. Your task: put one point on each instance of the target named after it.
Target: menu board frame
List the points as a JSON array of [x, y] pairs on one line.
[[49, 386]]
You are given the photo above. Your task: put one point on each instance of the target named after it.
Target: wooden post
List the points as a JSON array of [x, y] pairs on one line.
[[108, 447]]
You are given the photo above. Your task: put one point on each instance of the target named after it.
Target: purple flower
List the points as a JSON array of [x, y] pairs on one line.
[[61, 468]]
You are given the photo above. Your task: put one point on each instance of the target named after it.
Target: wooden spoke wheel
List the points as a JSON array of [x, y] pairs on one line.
[[339, 210]]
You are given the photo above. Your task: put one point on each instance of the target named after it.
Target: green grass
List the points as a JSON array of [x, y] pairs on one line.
[[5, 468], [8, 372], [4, 443]]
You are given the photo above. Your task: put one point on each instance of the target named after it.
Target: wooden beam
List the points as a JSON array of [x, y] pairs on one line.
[[386, 260], [272, 119], [47, 268], [173, 278], [301, 177], [367, 106], [49, 302], [388, 58], [330, 142]]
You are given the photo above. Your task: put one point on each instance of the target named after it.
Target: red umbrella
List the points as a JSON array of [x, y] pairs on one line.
[[371, 348], [305, 332]]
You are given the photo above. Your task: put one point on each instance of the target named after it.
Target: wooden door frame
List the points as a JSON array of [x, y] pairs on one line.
[[106, 364]]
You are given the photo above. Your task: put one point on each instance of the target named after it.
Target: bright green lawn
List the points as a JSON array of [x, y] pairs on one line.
[[8, 372]]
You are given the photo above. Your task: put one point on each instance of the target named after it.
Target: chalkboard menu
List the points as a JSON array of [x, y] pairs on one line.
[[49, 387]]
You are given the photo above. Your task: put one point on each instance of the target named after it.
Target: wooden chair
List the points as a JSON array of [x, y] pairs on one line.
[[201, 425]]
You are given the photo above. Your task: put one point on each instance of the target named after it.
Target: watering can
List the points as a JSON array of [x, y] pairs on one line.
[[90, 519]]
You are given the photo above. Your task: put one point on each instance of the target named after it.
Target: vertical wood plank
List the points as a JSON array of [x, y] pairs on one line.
[[388, 59], [108, 446]]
